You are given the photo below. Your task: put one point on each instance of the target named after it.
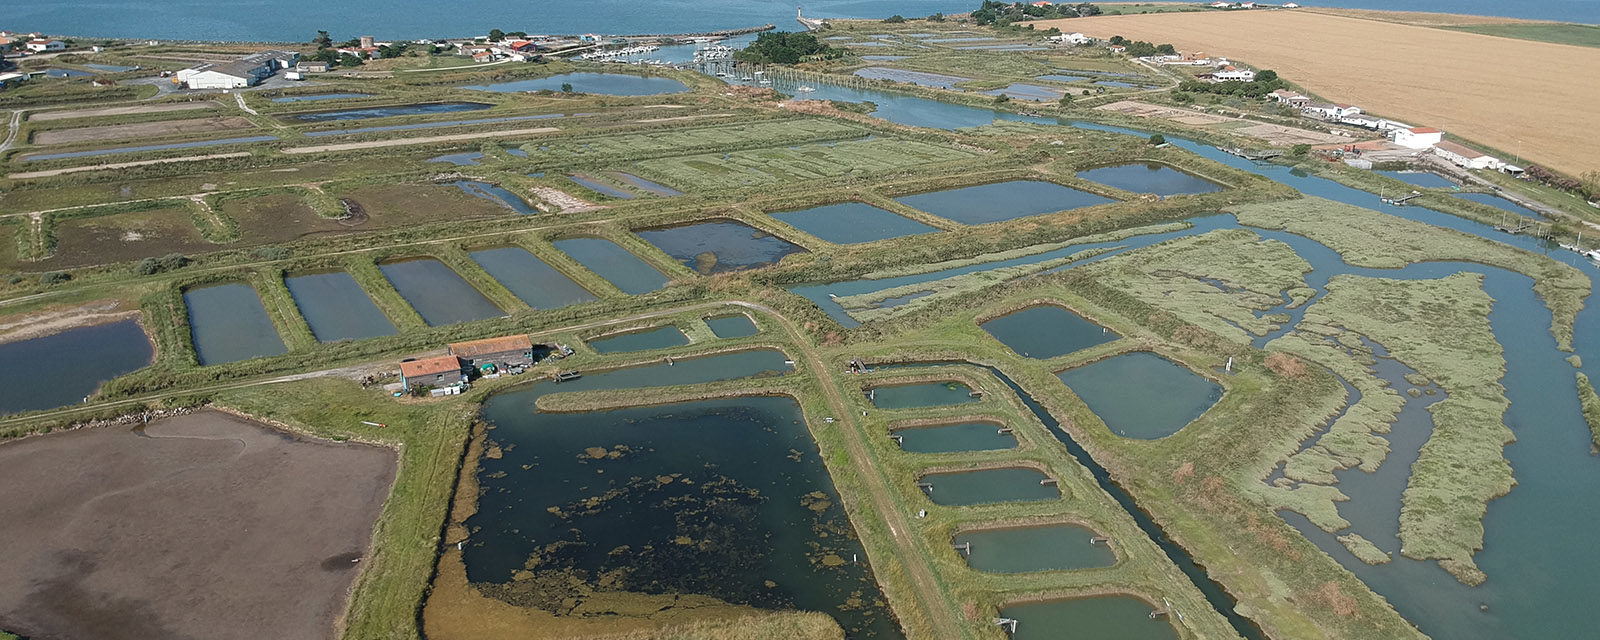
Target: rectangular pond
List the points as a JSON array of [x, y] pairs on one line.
[[988, 486], [336, 307], [322, 96], [1149, 177], [1061, 77], [952, 438], [1053, 547], [389, 111], [658, 338], [1047, 331], [1119, 617], [530, 279], [1032, 92], [1000, 201], [611, 84], [655, 188], [1142, 395], [613, 263], [590, 183], [922, 78], [852, 223], [430, 125], [228, 323], [496, 193], [916, 396], [734, 326], [62, 369], [438, 294], [719, 246], [1424, 179]]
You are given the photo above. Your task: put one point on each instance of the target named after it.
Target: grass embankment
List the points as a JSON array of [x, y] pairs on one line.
[[1216, 281], [1578, 35], [1591, 407], [1367, 238], [1441, 329]]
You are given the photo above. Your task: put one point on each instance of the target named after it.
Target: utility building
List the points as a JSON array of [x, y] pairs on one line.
[[502, 352]]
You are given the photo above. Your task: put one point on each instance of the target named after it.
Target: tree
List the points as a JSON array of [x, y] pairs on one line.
[[895, 19], [1267, 75], [937, 17], [1119, 40], [323, 40], [54, 277], [496, 35], [566, 87], [1002, 99], [516, 34], [348, 60], [1182, 97], [1157, 139], [784, 47], [1166, 50], [1300, 150], [1066, 100]]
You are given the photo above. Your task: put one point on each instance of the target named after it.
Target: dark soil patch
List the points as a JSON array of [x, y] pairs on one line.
[[120, 237], [280, 217], [203, 526]]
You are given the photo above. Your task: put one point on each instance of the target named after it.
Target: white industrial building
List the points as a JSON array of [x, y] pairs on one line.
[[1465, 157], [1071, 38], [1418, 137], [244, 72]]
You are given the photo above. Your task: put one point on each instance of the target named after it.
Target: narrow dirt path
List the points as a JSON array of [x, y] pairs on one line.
[[13, 126], [239, 97]]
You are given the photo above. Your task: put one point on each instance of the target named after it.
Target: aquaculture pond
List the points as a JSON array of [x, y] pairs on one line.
[[1424, 179], [1097, 618], [464, 159], [988, 486], [852, 223], [64, 368], [529, 278], [1047, 331], [613, 263], [432, 125], [1150, 177], [655, 188], [496, 193], [724, 498], [1051, 547], [322, 96], [734, 326], [1000, 201], [658, 338], [1032, 92], [903, 109], [1498, 203], [951, 438], [1061, 77], [715, 247], [599, 187], [438, 294], [336, 307], [922, 78], [112, 68], [1142, 395], [32, 157], [611, 84], [915, 396], [389, 111], [228, 324]]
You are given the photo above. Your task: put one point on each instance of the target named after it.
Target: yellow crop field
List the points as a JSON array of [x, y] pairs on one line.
[[1530, 98]]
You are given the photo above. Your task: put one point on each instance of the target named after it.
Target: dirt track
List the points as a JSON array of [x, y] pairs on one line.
[[203, 526], [1506, 93]]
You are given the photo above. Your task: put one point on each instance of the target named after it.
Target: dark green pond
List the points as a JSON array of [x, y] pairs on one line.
[[715, 247], [988, 486], [725, 498], [851, 223], [530, 279], [660, 338], [1100, 618], [913, 396], [999, 201], [229, 324], [1052, 547], [438, 294], [1150, 177], [62, 369], [337, 308], [1142, 395], [950, 438], [734, 326], [1047, 331], [607, 260]]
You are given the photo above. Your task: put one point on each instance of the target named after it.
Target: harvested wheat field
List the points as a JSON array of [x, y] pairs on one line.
[[1509, 94], [196, 526]]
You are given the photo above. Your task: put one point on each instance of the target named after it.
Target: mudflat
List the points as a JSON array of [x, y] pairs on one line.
[[202, 526]]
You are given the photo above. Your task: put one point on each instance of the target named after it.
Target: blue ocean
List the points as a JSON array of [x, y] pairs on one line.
[[299, 20]]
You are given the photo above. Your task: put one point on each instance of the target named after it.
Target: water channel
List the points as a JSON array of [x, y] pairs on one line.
[[1536, 553], [496, 193], [725, 498], [62, 369]]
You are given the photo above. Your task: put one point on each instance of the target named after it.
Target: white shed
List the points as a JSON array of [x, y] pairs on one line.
[[1418, 137]]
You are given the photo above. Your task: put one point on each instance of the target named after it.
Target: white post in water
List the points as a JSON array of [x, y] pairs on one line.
[[1229, 367]]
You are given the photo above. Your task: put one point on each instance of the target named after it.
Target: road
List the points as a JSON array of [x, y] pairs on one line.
[[13, 126]]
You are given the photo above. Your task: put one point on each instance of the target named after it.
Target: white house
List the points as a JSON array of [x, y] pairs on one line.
[[1247, 5], [41, 45], [1331, 111], [1285, 96], [1418, 137], [1071, 38], [1464, 157], [1220, 5], [1230, 73]]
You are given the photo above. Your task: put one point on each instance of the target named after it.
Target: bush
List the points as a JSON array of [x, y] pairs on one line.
[[163, 264], [894, 19], [1300, 150], [1157, 139], [54, 277]]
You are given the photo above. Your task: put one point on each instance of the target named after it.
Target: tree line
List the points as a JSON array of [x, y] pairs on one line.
[[1001, 14], [785, 47]]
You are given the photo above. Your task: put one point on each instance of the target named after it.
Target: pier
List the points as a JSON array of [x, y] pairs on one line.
[[810, 24]]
